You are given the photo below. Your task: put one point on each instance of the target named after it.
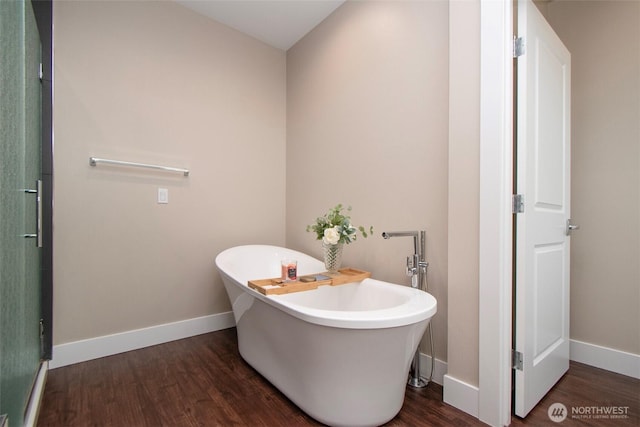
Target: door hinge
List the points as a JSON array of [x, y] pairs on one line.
[[517, 203], [516, 360], [41, 72], [518, 47]]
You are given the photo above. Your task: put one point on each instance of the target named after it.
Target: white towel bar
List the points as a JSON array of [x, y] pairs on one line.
[[93, 161]]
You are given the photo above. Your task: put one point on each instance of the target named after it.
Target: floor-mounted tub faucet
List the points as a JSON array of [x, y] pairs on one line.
[[417, 270]]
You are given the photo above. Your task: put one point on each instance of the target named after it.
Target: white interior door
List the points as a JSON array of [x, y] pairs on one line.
[[543, 178]]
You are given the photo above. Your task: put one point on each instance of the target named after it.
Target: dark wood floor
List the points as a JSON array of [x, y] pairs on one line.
[[203, 381]]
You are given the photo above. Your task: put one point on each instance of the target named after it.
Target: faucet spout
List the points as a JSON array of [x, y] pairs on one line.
[[389, 234], [418, 249]]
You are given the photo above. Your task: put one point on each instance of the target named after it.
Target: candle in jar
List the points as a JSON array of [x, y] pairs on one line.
[[289, 270]]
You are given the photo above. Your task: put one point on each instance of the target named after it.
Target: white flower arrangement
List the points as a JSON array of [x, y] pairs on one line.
[[335, 227]]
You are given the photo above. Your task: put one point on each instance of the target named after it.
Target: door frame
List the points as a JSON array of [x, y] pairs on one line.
[[496, 229]]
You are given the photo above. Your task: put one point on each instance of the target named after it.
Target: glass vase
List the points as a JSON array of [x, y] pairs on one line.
[[332, 256]]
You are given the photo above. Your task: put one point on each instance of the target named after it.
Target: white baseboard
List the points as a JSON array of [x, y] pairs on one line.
[[94, 348], [461, 395], [37, 391], [610, 359], [464, 396]]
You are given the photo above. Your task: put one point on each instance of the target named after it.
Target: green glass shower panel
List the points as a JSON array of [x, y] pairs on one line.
[[20, 137]]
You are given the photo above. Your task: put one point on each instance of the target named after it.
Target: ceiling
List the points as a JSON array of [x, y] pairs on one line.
[[278, 23]]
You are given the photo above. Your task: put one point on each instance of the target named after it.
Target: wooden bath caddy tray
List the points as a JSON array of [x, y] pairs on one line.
[[277, 286]]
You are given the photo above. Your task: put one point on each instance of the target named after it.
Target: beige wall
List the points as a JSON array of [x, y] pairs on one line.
[[464, 176], [367, 122], [154, 82], [604, 40]]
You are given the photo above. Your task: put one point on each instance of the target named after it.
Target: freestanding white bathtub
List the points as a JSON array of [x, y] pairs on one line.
[[341, 353]]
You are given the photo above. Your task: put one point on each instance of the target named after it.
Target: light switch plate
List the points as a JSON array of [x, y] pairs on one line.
[[163, 195]]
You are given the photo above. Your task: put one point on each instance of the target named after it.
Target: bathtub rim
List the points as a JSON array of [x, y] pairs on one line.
[[419, 307]]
